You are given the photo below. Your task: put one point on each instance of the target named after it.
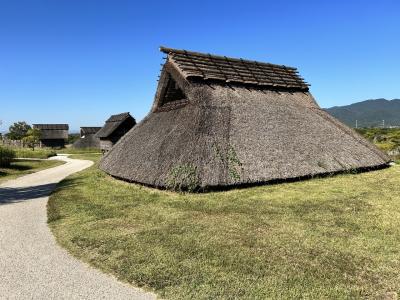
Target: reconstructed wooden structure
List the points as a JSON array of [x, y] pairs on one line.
[[114, 128], [53, 135], [221, 122], [88, 138]]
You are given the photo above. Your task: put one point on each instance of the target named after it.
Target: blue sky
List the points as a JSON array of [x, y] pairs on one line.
[[78, 61]]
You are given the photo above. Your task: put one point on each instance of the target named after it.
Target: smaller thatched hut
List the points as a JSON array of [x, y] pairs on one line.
[[88, 138], [115, 127], [53, 135]]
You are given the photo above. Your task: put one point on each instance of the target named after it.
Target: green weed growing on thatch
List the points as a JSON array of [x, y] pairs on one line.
[[183, 178], [230, 161], [234, 164]]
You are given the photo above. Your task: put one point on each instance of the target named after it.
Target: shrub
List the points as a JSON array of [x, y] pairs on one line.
[[32, 137], [6, 156]]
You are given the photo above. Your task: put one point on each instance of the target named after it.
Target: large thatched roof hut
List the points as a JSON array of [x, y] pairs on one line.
[[53, 135], [87, 138], [115, 127], [219, 121]]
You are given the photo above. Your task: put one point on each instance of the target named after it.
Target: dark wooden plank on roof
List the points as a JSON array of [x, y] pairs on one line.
[[207, 66], [235, 68], [198, 54], [224, 64], [248, 66], [233, 72], [218, 67], [246, 78]]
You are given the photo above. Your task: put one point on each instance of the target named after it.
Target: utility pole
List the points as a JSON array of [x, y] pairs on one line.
[[356, 124]]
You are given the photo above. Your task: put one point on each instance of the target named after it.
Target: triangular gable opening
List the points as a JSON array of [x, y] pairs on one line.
[[173, 97]]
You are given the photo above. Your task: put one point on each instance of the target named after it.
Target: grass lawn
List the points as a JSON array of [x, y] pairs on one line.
[[89, 156], [37, 153], [332, 238], [46, 153], [78, 150], [23, 167]]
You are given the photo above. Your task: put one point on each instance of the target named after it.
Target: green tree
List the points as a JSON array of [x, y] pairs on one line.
[[18, 130], [32, 137], [73, 137]]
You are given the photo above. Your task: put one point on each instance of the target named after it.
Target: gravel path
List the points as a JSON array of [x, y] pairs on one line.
[[32, 265]]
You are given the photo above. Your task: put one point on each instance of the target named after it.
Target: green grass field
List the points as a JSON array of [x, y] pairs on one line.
[[78, 150], [23, 167], [89, 156], [327, 238], [37, 153], [46, 153]]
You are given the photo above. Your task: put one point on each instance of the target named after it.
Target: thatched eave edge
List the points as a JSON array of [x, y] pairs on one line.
[[242, 185]]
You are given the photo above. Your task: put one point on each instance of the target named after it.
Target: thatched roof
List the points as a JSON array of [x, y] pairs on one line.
[[220, 134], [88, 141], [51, 126], [233, 70], [89, 130], [113, 123], [88, 138], [53, 131]]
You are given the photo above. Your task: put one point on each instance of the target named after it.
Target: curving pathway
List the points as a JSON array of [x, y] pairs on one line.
[[32, 265]]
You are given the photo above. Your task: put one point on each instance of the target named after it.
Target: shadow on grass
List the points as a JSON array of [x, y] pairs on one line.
[[19, 167], [16, 166], [4, 171]]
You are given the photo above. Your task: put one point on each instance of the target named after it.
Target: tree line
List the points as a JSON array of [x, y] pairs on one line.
[[21, 131]]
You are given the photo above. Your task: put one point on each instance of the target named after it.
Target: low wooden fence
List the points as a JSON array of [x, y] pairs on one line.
[[12, 143]]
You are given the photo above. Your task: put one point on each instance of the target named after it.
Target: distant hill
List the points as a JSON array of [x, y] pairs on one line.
[[369, 113]]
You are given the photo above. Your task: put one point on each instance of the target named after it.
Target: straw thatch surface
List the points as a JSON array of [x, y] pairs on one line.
[[88, 138], [113, 123], [89, 130], [51, 126], [226, 135], [115, 127], [53, 131], [88, 141]]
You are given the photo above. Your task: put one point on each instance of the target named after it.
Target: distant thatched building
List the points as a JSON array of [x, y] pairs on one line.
[[114, 128], [219, 121], [53, 135], [87, 138]]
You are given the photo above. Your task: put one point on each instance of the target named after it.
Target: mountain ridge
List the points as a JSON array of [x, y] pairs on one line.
[[368, 113]]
